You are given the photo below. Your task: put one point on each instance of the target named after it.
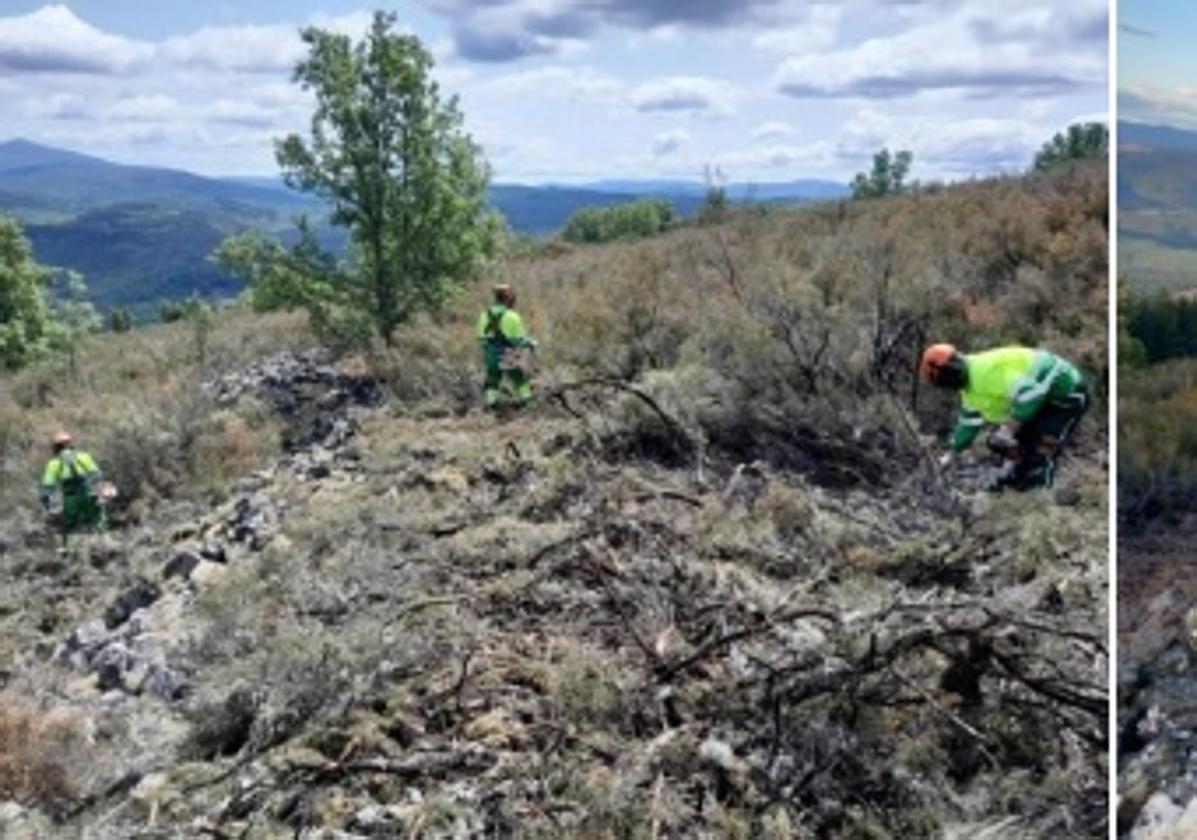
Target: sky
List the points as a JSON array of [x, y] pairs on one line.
[[579, 90], [1157, 66]]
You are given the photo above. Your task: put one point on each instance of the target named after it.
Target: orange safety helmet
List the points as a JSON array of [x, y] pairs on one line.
[[504, 294], [62, 440], [943, 365]]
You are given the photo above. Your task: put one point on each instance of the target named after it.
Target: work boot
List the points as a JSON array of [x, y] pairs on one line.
[[1001, 477], [1022, 476]]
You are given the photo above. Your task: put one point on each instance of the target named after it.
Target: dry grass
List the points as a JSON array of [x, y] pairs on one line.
[[577, 610], [775, 321], [136, 406], [39, 753]]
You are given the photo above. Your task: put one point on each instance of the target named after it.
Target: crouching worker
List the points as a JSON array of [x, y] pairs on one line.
[[502, 337], [1033, 397], [77, 475]]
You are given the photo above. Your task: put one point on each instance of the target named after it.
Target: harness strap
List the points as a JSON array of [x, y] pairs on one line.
[[494, 325]]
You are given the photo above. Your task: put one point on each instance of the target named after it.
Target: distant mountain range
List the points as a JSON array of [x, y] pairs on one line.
[[143, 234], [1157, 207], [807, 189], [1157, 137]]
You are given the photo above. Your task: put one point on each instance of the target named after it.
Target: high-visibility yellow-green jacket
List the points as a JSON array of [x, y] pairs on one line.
[[500, 326], [74, 471], [1010, 383]]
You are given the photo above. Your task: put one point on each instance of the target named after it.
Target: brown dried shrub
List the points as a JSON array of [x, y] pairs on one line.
[[38, 753]]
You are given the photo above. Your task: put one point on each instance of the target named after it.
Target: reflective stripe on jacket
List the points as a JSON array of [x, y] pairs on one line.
[[1010, 383]]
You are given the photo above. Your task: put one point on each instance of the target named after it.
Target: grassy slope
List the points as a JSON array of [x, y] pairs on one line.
[[521, 619], [1150, 266], [1157, 219]]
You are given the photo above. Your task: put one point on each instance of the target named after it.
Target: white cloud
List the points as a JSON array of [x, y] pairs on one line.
[[818, 33], [668, 142], [56, 106], [271, 48], [772, 130], [980, 144], [509, 30], [145, 108], [254, 49], [745, 163], [1155, 104], [686, 94], [53, 40], [243, 113], [214, 98], [353, 24], [555, 82], [980, 49]]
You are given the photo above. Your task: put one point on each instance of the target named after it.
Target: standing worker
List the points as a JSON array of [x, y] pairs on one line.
[[501, 334], [77, 474], [1034, 397]]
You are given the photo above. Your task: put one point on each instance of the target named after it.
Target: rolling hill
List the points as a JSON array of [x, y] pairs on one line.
[[1157, 207], [141, 234]]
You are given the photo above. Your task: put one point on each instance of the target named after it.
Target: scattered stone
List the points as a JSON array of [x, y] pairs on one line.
[[141, 595], [181, 565], [1157, 819], [213, 552]]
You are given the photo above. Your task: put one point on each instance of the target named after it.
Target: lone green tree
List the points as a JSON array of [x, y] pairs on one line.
[[391, 157], [25, 318], [887, 177], [1081, 141]]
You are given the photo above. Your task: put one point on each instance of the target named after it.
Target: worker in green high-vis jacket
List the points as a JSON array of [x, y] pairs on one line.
[[77, 475], [1034, 398], [501, 335]]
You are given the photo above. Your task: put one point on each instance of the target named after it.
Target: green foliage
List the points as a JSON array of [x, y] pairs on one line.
[[1081, 141], [887, 177], [1163, 327], [25, 318], [635, 220], [74, 319], [301, 277], [201, 318], [1132, 353], [1157, 443], [391, 157], [119, 320], [171, 311]]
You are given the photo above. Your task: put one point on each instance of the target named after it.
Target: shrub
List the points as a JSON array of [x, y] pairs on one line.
[[39, 752], [119, 320], [636, 220]]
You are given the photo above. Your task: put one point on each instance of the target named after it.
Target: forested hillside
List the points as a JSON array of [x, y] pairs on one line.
[[142, 236]]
